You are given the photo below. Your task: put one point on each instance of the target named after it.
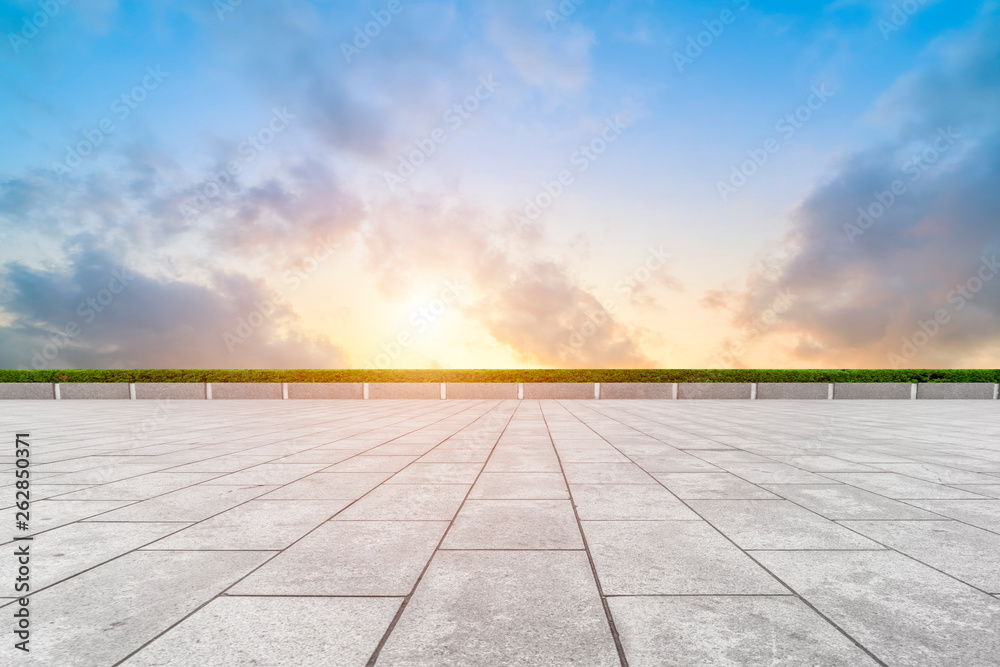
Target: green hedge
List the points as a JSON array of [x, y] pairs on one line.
[[489, 375]]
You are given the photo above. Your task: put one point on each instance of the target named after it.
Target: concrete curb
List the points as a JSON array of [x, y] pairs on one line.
[[169, 390], [501, 390], [421, 390], [320, 390], [956, 390], [93, 390], [873, 390], [792, 390], [617, 390], [566, 390], [717, 390], [243, 390]]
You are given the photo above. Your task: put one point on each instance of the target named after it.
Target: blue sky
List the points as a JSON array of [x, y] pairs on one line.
[[244, 157]]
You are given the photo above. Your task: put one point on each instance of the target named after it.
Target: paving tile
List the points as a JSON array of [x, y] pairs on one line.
[[937, 473], [822, 463], [520, 486], [255, 525], [270, 473], [591, 455], [349, 558], [672, 558], [269, 632], [984, 513], [777, 524], [104, 614], [514, 524], [986, 490], [606, 473], [517, 608], [672, 463], [365, 463], [965, 552], [724, 631], [49, 514], [330, 486], [142, 487], [842, 501], [69, 550], [773, 473], [900, 487], [629, 502], [407, 502], [224, 464], [903, 611], [711, 485], [511, 460], [192, 504], [437, 473]]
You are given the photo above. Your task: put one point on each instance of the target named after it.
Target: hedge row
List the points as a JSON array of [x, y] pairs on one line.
[[491, 375]]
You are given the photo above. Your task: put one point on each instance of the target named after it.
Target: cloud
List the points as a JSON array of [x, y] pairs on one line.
[[119, 317], [862, 286]]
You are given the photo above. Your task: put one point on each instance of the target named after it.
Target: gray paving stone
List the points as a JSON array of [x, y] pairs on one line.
[[270, 473], [71, 549], [246, 390], [325, 390], [506, 459], [628, 502], [986, 490], [606, 473], [170, 391], [225, 463], [270, 632], [520, 486], [725, 631], [437, 473], [104, 614], [517, 608], [672, 558], [841, 501], [938, 474], [329, 486], [514, 524], [682, 462], [903, 611], [49, 514], [773, 473], [718, 485], [361, 558], [141, 487], [821, 463], [965, 552], [900, 487], [983, 513], [777, 524], [196, 503], [365, 463], [256, 525], [408, 502], [605, 454]]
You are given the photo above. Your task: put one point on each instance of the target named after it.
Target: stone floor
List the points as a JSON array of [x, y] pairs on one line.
[[508, 532]]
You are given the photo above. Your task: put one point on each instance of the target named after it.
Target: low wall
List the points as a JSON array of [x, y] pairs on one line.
[[500, 390]]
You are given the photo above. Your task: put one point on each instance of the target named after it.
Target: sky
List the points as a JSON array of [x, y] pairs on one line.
[[499, 184]]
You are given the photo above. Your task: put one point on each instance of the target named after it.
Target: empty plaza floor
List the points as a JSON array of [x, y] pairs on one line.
[[548, 532]]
